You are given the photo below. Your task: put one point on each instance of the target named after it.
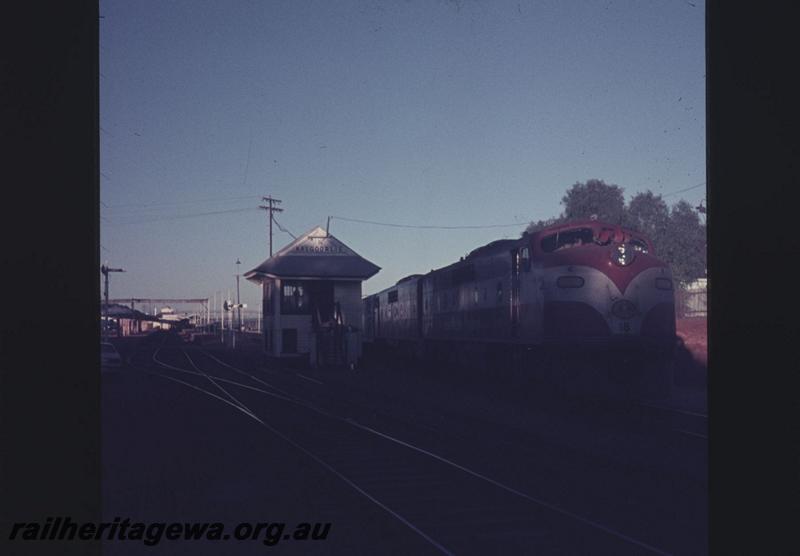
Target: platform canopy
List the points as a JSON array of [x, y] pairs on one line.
[[314, 255], [116, 311]]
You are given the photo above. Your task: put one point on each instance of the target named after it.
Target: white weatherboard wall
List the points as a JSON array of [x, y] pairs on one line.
[[302, 323], [346, 293]]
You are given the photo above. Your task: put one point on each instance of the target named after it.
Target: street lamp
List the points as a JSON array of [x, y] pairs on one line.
[[238, 300]]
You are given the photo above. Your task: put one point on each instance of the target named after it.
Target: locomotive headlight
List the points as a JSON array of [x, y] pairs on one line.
[[623, 254], [624, 309]]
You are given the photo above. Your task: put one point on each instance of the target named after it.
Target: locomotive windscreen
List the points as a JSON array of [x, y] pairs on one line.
[[567, 238]]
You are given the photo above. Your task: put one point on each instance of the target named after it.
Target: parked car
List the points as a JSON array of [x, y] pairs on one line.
[[109, 357]]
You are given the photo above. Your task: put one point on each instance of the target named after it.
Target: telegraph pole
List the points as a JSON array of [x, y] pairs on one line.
[[271, 208], [105, 270]]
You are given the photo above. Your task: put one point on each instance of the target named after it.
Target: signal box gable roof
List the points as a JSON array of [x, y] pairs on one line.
[[315, 254]]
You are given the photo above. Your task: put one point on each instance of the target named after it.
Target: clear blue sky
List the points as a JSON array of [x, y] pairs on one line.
[[425, 112]]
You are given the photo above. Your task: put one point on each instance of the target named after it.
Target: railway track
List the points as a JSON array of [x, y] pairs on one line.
[[454, 508], [693, 424], [627, 410]]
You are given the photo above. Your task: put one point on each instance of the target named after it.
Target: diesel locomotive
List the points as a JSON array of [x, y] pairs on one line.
[[584, 285]]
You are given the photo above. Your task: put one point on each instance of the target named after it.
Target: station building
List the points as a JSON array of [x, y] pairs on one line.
[[120, 320], [311, 295]]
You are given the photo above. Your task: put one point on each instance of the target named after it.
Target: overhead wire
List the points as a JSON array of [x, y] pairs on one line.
[[184, 216], [427, 227], [281, 228], [157, 218], [174, 203], [683, 190]]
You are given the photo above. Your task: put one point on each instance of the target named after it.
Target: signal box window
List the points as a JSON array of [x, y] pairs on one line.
[[295, 299]]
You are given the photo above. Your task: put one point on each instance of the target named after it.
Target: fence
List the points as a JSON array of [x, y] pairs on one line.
[[238, 340], [692, 301]]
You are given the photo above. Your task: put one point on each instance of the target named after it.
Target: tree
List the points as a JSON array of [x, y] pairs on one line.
[[541, 224], [649, 214], [685, 243], [594, 197]]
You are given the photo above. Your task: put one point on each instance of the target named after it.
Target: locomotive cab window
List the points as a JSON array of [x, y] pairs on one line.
[[604, 236], [392, 296], [567, 239]]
